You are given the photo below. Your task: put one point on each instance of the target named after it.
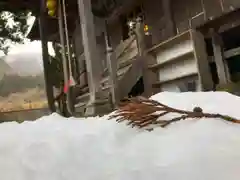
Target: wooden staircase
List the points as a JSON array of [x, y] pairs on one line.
[[129, 71]]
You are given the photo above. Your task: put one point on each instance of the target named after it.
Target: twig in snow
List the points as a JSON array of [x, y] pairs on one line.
[[141, 112]]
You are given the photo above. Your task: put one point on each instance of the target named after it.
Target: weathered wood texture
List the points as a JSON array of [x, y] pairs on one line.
[[201, 57], [186, 14], [93, 65], [182, 60], [222, 69]]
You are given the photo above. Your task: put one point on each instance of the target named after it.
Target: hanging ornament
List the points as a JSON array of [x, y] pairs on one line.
[[51, 13], [52, 7], [51, 4], [146, 28]]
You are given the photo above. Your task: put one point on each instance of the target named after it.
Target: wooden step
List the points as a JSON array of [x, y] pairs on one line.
[[83, 98], [80, 107], [80, 90], [123, 68]]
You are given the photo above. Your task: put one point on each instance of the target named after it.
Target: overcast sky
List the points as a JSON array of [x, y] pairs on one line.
[[31, 47]]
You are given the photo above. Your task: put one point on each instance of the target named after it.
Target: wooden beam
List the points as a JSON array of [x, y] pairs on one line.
[[112, 68], [90, 46], [219, 59], [45, 56], [219, 21]]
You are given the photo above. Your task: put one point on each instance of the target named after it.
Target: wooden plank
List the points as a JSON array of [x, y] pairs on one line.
[[219, 59], [213, 8], [230, 5], [93, 64], [201, 57], [159, 83], [169, 42], [228, 54], [112, 68], [156, 66], [197, 20], [232, 52], [130, 78]]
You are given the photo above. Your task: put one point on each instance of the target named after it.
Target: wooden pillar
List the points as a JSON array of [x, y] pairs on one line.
[[93, 64], [98, 104], [45, 56], [200, 54], [218, 52], [112, 68], [168, 18], [141, 41]]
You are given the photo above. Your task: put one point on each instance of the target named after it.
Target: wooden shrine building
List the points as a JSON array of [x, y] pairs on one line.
[[113, 49]]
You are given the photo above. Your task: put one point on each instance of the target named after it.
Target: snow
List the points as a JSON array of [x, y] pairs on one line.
[[56, 148]]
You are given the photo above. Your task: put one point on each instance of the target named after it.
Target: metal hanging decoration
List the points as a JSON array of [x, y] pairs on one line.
[[52, 7]]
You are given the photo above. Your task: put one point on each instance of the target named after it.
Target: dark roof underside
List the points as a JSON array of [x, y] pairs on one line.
[[100, 8]]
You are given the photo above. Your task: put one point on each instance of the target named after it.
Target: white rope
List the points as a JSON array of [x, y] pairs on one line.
[[67, 40], [65, 69]]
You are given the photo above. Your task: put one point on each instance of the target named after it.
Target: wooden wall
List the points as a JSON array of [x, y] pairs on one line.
[[186, 14]]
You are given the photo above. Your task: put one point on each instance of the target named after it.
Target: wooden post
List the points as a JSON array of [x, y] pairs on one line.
[[142, 54], [93, 63], [90, 47], [168, 17], [112, 68], [45, 56], [218, 52], [200, 54]]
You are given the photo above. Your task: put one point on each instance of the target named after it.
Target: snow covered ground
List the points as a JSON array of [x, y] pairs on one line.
[[55, 148]]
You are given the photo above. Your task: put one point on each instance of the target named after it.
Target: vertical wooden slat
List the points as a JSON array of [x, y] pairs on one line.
[[222, 69], [112, 68], [200, 54], [93, 64]]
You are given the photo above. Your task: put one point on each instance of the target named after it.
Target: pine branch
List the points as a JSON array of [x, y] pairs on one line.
[[143, 113]]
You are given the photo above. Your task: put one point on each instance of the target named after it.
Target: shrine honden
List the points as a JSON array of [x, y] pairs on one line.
[[107, 50]]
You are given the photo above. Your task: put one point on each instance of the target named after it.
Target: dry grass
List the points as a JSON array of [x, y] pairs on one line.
[[30, 99]]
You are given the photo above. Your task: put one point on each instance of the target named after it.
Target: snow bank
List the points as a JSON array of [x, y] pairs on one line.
[[55, 148]]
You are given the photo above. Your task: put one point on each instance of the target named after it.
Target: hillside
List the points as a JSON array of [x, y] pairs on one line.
[[25, 64], [22, 92], [21, 81], [4, 68]]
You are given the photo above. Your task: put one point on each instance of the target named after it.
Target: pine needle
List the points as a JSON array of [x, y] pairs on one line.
[[144, 113]]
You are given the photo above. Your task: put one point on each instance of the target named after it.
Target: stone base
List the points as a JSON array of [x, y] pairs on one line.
[[99, 107]]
